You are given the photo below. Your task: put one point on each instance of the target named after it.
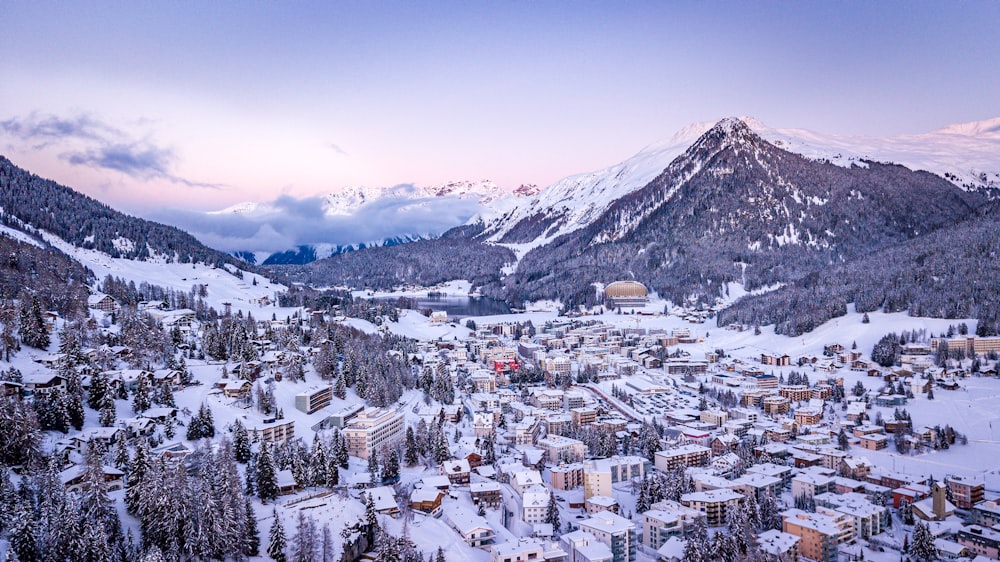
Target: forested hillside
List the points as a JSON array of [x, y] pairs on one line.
[[88, 223], [426, 263], [953, 272]]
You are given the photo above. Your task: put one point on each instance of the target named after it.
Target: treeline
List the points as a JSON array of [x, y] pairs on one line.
[[950, 273], [424, 263]]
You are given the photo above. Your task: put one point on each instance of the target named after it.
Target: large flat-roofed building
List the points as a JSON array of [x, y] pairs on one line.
[[314, 399], [275, 431], [615, 531], [372, 429], [682, 457]]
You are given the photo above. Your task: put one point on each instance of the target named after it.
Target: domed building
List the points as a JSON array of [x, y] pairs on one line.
[[625, 293]]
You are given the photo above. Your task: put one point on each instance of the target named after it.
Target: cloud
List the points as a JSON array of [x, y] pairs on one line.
[[85, 140], [336, 148], [133, 160], [289, 222]]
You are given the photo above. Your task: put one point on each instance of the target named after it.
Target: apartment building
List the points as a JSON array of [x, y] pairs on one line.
[[372, 429], [683, 456], [600, 475], [818, 534], [314, 399], [714, 504], [616, 532]]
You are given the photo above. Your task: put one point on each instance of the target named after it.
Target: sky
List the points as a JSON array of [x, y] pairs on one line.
[[165, 108]]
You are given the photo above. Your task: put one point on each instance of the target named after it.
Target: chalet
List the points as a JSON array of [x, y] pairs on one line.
[[237, 388], [172, 377], [724, 443], [473, 529], [457, 471], [9, 389], [384, 499], [102, 302], [486, 494], [43, 382], [75, 478], [139, 427], [427, 499]]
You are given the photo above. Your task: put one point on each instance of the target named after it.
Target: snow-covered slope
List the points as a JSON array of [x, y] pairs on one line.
[[576, 201], [221, 284], [966, 154]]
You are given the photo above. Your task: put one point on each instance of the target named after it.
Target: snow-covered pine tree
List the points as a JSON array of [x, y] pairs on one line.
[[318, 463], [267, 474], [552, 512], [250, 542], [241, 442], [410, 455], [277, 542], [922, 546]]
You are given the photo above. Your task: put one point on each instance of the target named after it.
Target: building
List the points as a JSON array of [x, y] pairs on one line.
[[659, 525], [869, 519], [457, 471], [595, 504], [567, 476], [275, 431], [314, 399], [776, 405], [562, 449], [526, 431], [811, 483], [682, 457], [102, 302], [808, 416], [372, 429], [983, 541], [714, 504], [527, 550], [965, 492], [780, 545], [986, 514], [486, 494], [473, 529], [582, 546], [600, 475], [427, 499], [614, 531], [534, 503], [874, 441], [818, 534], [625, 294]]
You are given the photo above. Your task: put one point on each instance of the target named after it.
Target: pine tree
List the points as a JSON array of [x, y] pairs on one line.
[[34, 333], [922, 546], [390, 467], [318, 464], [241, 442], [108, 415], [277, 542], [410, 454], [440, 555], [373, 471], [372, 527], [142, 399], [267, 475], [552, 512], [251, 536]]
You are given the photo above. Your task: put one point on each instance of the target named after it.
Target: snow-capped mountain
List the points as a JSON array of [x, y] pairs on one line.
[[350, 199], [967, 154]]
